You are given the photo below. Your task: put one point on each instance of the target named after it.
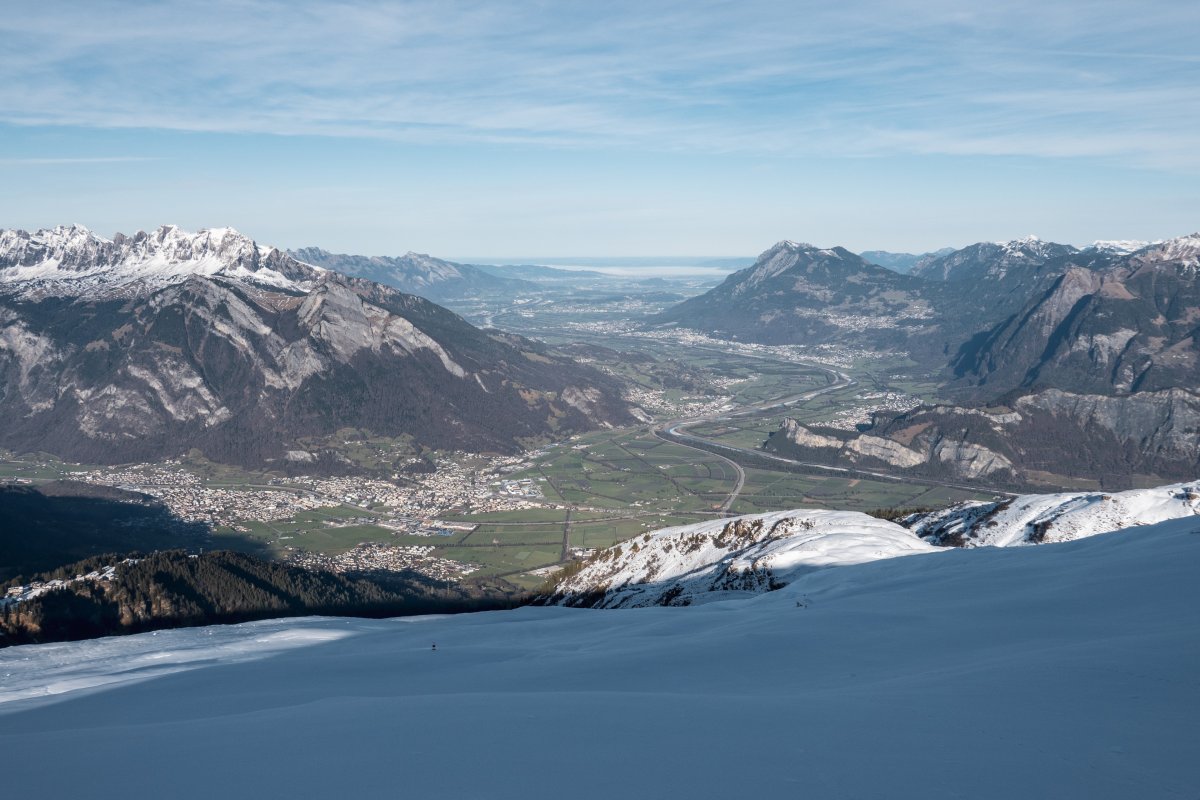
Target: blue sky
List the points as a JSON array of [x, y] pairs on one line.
[[560, 128]]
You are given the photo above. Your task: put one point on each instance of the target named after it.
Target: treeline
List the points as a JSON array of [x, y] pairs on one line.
[[174, 589]]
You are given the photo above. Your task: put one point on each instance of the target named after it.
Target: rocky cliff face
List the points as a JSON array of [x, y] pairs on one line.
[[1041, 435], [1127, 327], [144, 347], [921, 448]]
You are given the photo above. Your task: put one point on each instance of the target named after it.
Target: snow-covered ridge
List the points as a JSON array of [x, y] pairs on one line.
[[1184, 250], [72, 260], [788, 244], [1032, 246], [722, 558], [1121, 247], [1043, 518]]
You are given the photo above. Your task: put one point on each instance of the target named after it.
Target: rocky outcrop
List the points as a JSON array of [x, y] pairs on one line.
[[1046, 434], [885, 450], [801, 436], [918, 447], [970, 460], [1160, 428]]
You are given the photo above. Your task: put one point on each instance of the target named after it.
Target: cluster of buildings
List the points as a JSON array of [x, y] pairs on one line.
[[28, 591], [463, 483], [865, 322], [656, 402], [848, 419], [833, 355], [189, 499], [525, 487], [377, 557]]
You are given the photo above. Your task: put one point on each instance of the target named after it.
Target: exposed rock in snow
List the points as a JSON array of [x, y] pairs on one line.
[[727, 557], [1038, 518]]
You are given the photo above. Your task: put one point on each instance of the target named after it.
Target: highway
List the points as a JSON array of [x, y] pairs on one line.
[[676, 431]]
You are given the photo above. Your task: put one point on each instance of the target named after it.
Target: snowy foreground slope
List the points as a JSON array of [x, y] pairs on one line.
[[723, 558], [1068, 670], [1039, 518]]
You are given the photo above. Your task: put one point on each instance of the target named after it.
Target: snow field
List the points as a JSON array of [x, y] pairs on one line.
[[1068, 670]]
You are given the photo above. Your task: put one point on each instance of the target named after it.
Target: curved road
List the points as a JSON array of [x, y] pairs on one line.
[[675, 431], [670, 431]]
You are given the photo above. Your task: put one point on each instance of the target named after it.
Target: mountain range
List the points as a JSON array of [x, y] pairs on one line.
[[147, 346], [903, 262], [801, 293], [1102, 325], [417, 273], [1052, 359]]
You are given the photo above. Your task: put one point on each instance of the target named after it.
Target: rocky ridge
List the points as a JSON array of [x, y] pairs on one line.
[[144, 347], [416, 273]]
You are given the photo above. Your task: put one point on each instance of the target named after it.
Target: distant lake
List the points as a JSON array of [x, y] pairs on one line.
[[678, 267], [647, 270]]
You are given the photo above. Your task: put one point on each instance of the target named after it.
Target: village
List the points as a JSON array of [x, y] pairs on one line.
[[371, 557], [833, 355], [849, 419], [462, 483]]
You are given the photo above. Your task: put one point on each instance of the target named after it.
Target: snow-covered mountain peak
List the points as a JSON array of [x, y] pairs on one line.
[[1033, 246], [72, 260], [788, 244], [1182, 249]]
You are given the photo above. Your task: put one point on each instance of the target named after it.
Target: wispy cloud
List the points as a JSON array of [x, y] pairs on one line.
[[74, 160], [1103, 79]]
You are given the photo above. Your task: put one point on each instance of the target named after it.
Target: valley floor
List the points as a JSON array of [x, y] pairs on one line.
[[1066, 670]]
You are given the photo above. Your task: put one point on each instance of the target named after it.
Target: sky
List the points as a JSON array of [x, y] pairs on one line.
[[512, 129]]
